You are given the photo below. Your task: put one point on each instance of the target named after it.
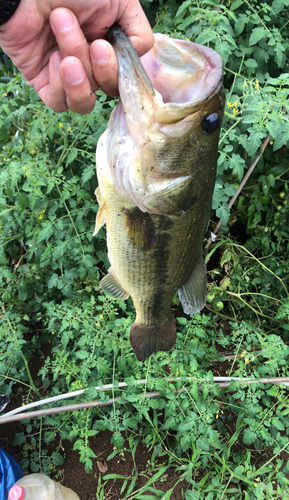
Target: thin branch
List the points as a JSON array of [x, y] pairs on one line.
[[244, 180]]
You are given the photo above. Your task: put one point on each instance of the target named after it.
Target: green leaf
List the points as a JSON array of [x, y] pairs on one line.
[[202, 443], [186, 426], [82, 354], [46, 231], [223, 213], [35, 467], [117, 440], [238, 164], [254, 141], [240, 24], [282, 139], [23, 200], [107, 477], [22, 291], [53, 281], [276, 422], [257, 35], [249, 436], [251, 63], [57, 459], [71, 156], [88, 173], [236, 4]]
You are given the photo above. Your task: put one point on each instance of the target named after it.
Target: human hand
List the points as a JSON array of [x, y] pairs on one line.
[[59, 47]]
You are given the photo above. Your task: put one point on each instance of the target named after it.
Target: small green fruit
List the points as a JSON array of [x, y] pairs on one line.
[[210, 297], [220, 306]]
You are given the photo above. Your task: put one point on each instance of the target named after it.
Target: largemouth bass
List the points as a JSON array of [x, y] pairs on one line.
[[156, 168]]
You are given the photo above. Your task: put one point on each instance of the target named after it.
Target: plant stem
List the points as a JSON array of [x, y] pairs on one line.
[[23, 357]]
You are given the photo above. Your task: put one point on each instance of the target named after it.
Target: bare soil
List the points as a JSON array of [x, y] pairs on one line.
[[72, 473]]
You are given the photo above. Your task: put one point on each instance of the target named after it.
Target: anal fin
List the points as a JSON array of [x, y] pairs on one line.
[[194, 292], [110, 285]]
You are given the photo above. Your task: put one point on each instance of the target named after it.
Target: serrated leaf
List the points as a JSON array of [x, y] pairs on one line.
[[276, 422], [279, 5], [223, 213], [251, 63], [53, 281], [254, 142], [117, 440], [257, 35], [203, 444], [249, 436], [240, 24], [238, 164], [71, 156], [186, 426], [46, 231], [281, 140], [57, 459], [236, 4], [59, 250], [88, 173], [35, 467], [81, 354]]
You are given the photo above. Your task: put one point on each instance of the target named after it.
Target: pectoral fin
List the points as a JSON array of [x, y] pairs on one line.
[[110, 285], [141, 229], [100, 218], [172, 197], [193, 293]]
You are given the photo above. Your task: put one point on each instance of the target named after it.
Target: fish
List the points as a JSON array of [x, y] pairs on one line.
[[156, 169]]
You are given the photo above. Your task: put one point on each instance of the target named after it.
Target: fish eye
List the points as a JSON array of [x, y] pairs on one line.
[[211, 123]]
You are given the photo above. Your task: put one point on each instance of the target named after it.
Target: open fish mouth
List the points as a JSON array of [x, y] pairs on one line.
[[183, 73]]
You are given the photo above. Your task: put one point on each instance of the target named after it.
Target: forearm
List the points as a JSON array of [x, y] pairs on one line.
[[7, 9]]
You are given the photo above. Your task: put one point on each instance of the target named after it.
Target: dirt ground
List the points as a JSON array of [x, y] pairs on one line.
[[73, 475]]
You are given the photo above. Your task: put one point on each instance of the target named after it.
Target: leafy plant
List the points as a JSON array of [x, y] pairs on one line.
[[224, 442]]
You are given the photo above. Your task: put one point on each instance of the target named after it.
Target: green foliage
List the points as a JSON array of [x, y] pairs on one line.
[[224, 442]]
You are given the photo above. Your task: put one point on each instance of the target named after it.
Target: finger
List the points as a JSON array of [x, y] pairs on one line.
[[53, 94], [136, 25], [104, 66], [71, 40], [79, 96]]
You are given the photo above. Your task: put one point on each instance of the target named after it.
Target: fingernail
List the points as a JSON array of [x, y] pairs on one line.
[[73, 73], [100, 54], [61, 21], [56, 59]]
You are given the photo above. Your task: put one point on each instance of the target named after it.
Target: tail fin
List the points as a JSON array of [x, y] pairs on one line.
[[146, 340]]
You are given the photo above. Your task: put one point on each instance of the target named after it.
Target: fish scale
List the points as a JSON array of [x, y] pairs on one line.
[[156, 181]]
